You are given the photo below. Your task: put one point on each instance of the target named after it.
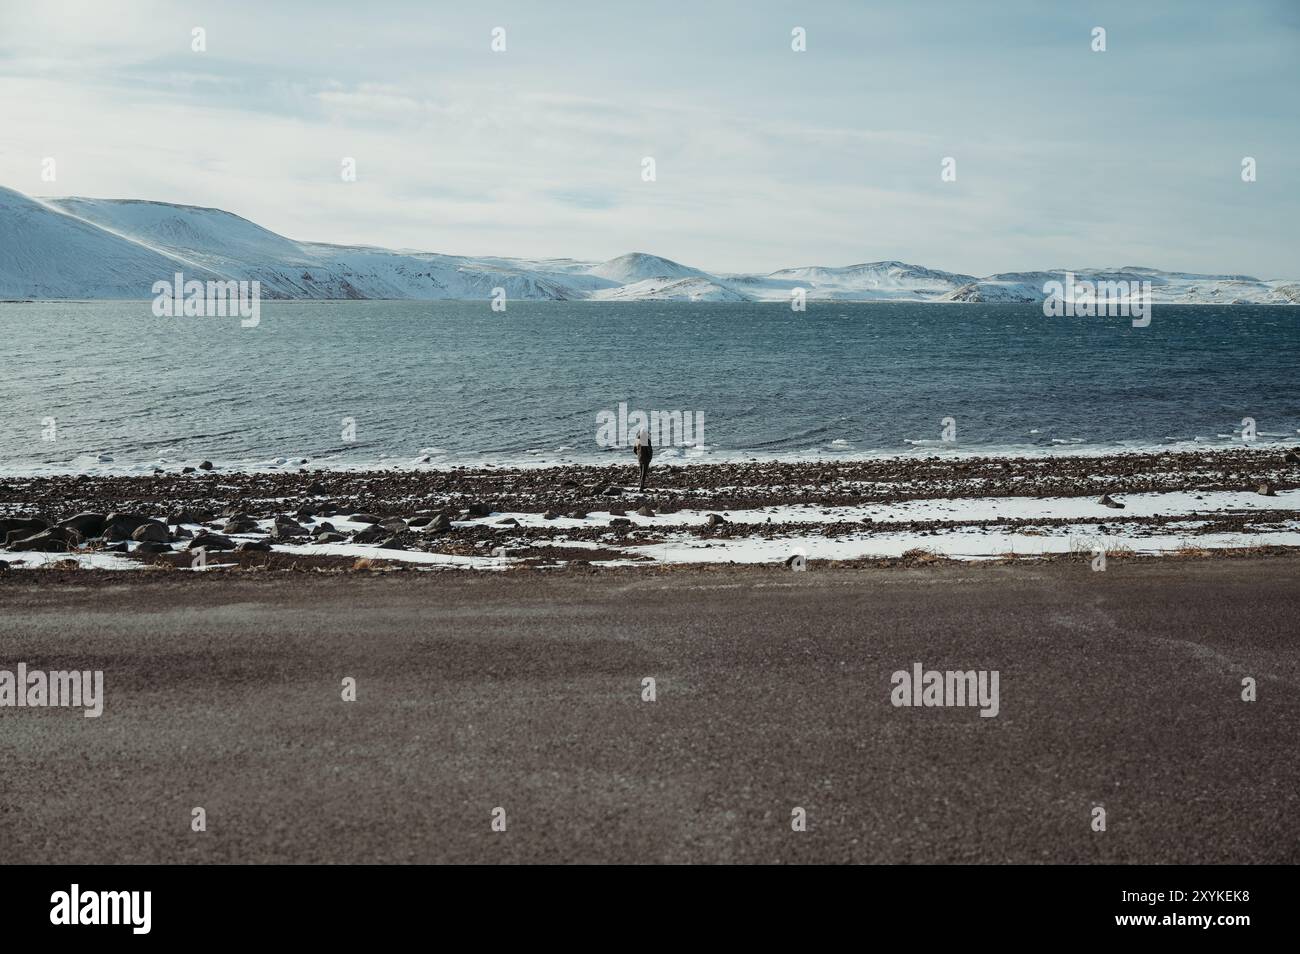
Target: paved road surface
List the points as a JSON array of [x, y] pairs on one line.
[[1120, 689]]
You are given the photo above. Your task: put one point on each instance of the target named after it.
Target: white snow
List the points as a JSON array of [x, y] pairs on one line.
[[957, 544], [1174, 503], [874, 540], [671, 289], [46, 253], [33, 560]]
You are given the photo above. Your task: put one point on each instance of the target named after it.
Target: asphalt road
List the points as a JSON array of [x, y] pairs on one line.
[[523, 691]]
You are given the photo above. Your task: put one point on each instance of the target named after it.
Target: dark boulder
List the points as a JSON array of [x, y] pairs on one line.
[[210, 541], [371, 534], [53, 540], [32, 524], [151, 532], [86, 524], [288, 527], [123, 524]]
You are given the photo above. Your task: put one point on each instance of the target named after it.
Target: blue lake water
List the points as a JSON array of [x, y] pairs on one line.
[[464, 384]]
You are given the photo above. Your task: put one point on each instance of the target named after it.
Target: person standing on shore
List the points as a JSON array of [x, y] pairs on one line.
[[644, 451]]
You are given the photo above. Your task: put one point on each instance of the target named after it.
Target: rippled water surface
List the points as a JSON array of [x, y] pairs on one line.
[[460, 383]]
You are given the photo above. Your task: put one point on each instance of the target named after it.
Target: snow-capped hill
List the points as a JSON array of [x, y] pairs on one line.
[[883, 276], [240, 249], [871, 281], [45, 253], [695, 288], [339, 271], [184, 228], [638, 266], [995, 291], [1166, 288]]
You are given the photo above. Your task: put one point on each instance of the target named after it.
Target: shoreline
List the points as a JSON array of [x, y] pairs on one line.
[[435, 460], [828, 511]]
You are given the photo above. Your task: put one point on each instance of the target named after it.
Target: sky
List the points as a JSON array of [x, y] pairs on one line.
[[764, 157]]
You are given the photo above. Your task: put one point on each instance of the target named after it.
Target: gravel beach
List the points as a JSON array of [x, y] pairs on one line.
[[747, 512]]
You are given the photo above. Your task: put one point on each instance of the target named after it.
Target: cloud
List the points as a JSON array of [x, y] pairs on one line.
[[764, 157]]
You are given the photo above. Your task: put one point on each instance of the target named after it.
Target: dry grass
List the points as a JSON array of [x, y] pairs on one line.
[[920, 556]]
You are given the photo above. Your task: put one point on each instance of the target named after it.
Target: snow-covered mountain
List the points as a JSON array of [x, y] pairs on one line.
[[694, 288], [1167, 288], [638, 266], [117, 248], [237, 248], [46, 253], [873, 281]]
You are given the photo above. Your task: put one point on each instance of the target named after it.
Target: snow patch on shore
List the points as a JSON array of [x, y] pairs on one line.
[[33, 560]]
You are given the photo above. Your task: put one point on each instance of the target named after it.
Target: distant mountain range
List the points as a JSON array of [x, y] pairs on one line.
[[117, 248]]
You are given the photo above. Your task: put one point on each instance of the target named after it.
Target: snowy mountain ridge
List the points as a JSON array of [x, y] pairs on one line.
[[81, 248]]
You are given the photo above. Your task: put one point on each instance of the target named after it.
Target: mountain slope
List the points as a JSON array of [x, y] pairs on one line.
[[240, 249], [1167, 288], [639, 266], [872, 281], [694, 288], [45, 253], [117, 248]]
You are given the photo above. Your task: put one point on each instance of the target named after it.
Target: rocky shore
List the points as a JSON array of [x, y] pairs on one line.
[[495, 516]]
